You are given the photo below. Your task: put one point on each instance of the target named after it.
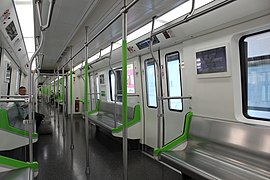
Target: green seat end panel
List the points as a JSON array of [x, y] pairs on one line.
[[95, 110], [136, 118], [180, 139], [13, 163], [4, 125]]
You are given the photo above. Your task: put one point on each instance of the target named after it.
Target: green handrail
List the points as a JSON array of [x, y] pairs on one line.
[[86, 86], [180, 139], [124, 83], [4, 125], [136, 118], [95, 110], [17, 164]]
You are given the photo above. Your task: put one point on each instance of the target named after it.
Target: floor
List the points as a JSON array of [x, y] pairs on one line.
[[58, 161]]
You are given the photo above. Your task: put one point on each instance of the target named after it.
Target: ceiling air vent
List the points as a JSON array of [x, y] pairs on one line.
[[145, 43]]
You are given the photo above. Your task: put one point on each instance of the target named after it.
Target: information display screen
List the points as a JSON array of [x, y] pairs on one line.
[[211, 61]]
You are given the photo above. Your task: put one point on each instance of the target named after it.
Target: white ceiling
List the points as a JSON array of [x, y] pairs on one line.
[[66, 17], [70, 18]]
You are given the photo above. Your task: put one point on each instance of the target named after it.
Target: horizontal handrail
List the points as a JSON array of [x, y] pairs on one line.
[[176, 97], [15, 100], [14, 96], [120, 95]]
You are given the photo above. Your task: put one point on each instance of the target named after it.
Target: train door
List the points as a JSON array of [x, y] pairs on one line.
[[172, 83], [149, 90]]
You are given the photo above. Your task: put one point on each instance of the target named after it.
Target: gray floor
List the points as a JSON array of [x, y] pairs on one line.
[[57, 161]]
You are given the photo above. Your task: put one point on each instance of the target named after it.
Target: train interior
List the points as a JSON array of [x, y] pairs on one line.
[[135, 89]]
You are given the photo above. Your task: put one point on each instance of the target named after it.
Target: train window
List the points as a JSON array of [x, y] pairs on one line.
[[174, 81], [118, 73], [255, 68], [97, 87], [18, 79], [150, 76], [130, 82], [0, 55]]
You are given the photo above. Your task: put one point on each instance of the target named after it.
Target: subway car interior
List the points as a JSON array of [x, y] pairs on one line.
[[135, 89]]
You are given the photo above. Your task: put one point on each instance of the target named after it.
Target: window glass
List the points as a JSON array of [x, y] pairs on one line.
[[174, 81], [150, 76], [255, 61], [18, 78], [97, 87], [130, 79], [130, 82], [118, 73]]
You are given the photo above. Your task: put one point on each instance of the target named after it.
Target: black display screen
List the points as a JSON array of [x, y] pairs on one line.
[[146, 43], [11, 30], [211, 61]]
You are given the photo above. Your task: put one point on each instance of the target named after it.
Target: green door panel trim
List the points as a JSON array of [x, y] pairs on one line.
[[180, 139]]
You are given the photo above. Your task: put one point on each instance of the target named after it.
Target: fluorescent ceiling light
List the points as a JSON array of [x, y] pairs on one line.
[[30, 45], [91, 59], [139, 32], [106, 50], [117, 44], [77, 67], [24, 10], [179, 11]]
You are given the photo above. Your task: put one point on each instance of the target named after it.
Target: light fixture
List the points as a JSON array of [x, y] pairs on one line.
[[24, 9]]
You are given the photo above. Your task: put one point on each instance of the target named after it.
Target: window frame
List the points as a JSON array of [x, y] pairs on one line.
[[244, 75], [168, 94], [146, 82], [110, 80]]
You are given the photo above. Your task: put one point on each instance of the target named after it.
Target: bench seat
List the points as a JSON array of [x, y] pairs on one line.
[[222, 150], [106, 120], [217, 162], [103, 116]]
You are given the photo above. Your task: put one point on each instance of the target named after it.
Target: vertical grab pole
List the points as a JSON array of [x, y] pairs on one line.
[[71, 102], [90, 96], [159, 98], [63, 98], [124, 90], [87, 170], [58, 98], [54, 106], [115, 84]]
